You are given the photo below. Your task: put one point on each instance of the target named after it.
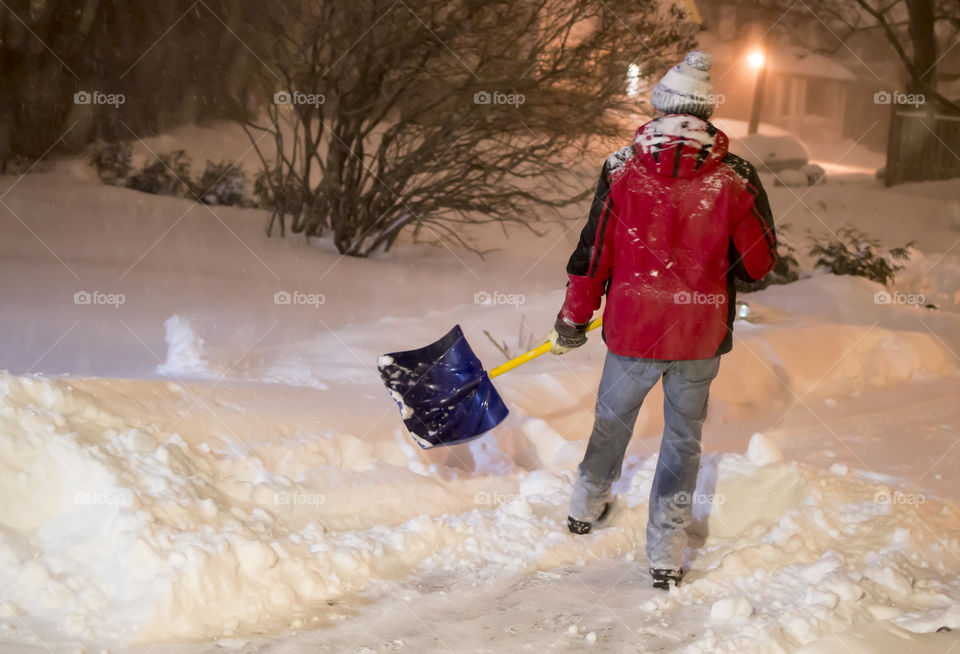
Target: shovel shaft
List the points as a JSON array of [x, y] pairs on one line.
[[533, 354]]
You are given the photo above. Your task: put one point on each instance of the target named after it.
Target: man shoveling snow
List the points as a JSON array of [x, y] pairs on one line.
[[675, 219]]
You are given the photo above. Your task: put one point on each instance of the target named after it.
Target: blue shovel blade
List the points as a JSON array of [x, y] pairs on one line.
[[444, 394]]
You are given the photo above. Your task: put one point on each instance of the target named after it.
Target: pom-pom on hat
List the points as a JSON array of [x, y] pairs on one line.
[[686, 88]]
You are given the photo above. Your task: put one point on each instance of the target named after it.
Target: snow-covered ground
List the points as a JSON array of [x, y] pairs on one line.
[[189, 466]]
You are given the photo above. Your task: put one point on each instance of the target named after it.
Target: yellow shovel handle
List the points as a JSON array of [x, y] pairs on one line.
[[533, 354]]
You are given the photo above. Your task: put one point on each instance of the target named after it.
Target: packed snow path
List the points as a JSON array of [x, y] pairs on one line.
[[153, 526]]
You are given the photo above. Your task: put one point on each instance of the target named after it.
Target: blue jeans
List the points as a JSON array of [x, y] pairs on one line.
[[623, 387]]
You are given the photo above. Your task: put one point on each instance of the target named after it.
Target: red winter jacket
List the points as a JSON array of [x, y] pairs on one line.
[[675, 219]]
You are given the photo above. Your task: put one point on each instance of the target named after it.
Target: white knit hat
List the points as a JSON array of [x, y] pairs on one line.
[[686, 88]]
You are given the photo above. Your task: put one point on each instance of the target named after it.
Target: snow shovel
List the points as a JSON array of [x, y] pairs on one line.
[[444, 394]]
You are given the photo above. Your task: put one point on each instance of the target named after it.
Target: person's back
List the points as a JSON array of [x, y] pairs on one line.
[[675, 219], [673, 205]]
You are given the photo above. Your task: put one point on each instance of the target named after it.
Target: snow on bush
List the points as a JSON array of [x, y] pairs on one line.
[[169, 174], [222, 184], [852, 252], [113, 163], [848, 251]]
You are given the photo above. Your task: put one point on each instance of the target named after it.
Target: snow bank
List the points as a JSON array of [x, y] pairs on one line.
[[820, 337], [779, 152], [826, 337], [185, 349], [120, 530], [882, 638]]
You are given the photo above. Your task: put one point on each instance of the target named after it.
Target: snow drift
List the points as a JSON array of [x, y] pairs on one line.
[[123, 531]]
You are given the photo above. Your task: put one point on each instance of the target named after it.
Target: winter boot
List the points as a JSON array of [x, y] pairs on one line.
[[580, 527], [663, 576]]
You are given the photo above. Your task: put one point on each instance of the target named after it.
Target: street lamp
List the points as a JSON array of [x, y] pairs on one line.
[[758, 61]]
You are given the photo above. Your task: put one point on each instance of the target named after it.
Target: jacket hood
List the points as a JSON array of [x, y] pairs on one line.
[[680, 145]]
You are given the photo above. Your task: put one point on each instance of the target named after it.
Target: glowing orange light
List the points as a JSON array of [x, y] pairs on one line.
[[756, 58]]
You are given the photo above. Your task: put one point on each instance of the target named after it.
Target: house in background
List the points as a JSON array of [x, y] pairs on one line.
[[846, 95], [807, 94], [804, 94]]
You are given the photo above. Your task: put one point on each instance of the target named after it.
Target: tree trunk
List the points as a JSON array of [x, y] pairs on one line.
[[924, 41]]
